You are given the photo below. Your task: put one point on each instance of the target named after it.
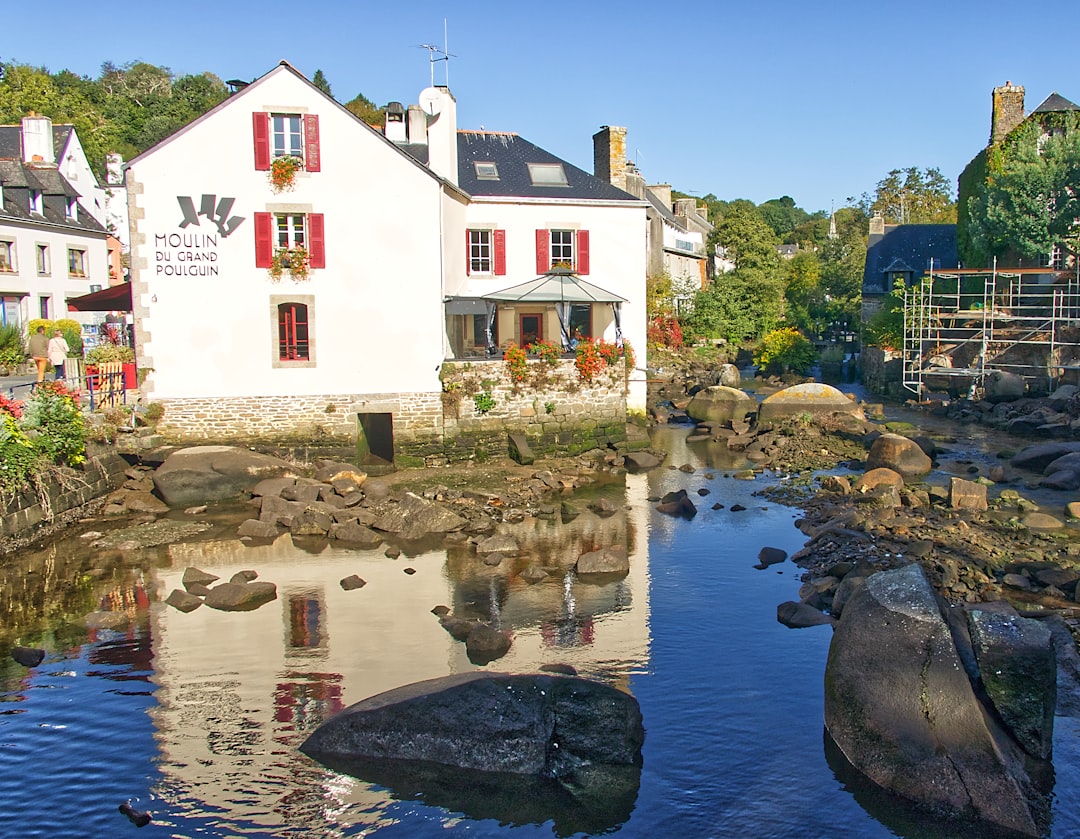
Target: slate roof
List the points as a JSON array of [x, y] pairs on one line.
[[1055, 104], [663, 210], [18, 179], [907, 247], [11, 140], [512, 154]]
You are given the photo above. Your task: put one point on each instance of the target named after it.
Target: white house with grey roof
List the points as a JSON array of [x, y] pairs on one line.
[[52, 242], [265, 310]]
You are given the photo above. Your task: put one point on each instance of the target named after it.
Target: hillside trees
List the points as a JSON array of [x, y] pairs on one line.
[[912, 196]]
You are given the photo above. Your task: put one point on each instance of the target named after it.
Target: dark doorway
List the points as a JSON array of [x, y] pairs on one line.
[[532, 329], [375, 442]]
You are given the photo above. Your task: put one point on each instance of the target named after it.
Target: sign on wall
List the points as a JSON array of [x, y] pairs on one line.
[[195, 253]]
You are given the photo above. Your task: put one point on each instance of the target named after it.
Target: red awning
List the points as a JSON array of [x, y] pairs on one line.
[[115, 298]]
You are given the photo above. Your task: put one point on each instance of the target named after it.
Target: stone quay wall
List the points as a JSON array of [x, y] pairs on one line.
[[553, 408], [25, 514]]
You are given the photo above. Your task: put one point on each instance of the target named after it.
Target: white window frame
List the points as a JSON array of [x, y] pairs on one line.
[[7, 256], [73, 209], [547, 174], [35, 201], [290, 230], [562, 247], [76, 266], [481, 251], [287, 136], [486, 171]]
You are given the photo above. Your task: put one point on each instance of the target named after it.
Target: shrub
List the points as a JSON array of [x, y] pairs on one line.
[[54, 423], [484, 402], [12, 348], [546, 351], [588, 361], [517, 361], [785, 349], [156, 410], [103, 353], [664, 331]]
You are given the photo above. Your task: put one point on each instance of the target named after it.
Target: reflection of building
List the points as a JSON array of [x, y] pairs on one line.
[[237, 692]]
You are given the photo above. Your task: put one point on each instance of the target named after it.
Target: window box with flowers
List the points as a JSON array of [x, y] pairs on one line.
[[283, 171], [296, 261]]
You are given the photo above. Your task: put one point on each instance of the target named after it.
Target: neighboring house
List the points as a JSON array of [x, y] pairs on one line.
[[903, 252], [337, 300], [52, 247], [1056, 115], [677, 230]]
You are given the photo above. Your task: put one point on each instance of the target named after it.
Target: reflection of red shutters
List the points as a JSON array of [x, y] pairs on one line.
[[260, 124], [316, 240], [264, 240], [582, 252], [543, 251], [312, 158], [499, 246]]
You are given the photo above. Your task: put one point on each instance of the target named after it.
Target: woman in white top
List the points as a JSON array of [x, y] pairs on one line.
[[58, 353]]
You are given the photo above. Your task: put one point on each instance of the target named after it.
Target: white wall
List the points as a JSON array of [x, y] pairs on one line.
[[377, 318], [56, 284]]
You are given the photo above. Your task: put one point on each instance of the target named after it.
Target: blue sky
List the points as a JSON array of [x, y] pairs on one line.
[[741, 99]]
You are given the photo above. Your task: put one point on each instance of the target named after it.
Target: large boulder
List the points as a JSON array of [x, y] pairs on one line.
[[900, 706], [896, 452], [415, 517], [540, 724], [721, 404], [236, 596], [1040, 455], [200, 474], [810, 398], [1003, 386]]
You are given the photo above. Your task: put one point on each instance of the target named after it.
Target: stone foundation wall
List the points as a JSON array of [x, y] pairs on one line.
[[557, 412], [101, 474]]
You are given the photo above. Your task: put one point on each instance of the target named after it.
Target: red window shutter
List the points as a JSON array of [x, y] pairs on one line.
[[468, 252], [316, 241], [264, 240], [500, 252], [543, 252], [312, 158], [583, 252], [260, 124]]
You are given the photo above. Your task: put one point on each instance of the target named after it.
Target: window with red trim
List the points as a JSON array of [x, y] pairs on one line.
[[486, 252], [568, 249], [280, 135], [293, 342], [287, 231]]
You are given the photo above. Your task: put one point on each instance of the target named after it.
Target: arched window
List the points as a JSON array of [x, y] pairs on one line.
[[293, 332]]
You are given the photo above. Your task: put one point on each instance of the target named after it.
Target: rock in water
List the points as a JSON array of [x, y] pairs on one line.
[[138, 818], [541, 724], [901, 708], [28, 656]]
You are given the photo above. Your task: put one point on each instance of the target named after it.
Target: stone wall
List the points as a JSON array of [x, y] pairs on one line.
[[101, 474], [883, 372], [558, 413]]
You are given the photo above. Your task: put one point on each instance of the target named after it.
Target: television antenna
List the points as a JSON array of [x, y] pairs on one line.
[[437, 54]]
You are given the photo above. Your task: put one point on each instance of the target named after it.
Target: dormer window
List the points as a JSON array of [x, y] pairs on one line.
[[35, 201], [73, 209], [547, 174], [486, 171]]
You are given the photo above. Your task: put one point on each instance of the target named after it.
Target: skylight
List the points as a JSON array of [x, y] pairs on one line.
[[547, 174], [486, 171]]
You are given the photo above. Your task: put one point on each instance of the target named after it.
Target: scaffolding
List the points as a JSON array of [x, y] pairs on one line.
[[962, 324]]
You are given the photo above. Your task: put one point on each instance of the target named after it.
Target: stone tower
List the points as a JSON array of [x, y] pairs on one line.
[[1008, 111], [609, 155]]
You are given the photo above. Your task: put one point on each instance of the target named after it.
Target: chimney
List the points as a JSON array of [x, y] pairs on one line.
[[662, 193], [441, 109], [1007, 112], [395, 123], [609, 155], [687, 207], [417, 125], [37, 139], [877, 225]]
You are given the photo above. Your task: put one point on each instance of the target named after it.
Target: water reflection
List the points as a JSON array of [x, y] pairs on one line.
[[238, 692]]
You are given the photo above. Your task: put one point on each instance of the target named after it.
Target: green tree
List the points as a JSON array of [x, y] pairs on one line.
[[912, 196], [739, 306], [843, 260], [803, 292], [366, 110], [319, 80], [747, 240], [782, 215]]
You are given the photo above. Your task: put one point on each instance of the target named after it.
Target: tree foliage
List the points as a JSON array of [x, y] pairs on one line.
[[319, 80], [747, 240], [740, 306], [912, 196], [1029, 198], [366, 110]]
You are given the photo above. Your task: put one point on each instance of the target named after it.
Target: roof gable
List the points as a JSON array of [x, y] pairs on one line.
[[908, 248], [1056, 104]]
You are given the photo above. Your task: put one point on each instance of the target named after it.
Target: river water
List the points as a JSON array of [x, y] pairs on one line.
[[197, 717]]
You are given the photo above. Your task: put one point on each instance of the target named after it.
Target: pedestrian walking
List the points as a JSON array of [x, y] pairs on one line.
[[58, 353], [39, 351]]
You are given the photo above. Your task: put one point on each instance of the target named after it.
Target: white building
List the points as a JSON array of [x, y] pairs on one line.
[[239, 344], [52, 245]]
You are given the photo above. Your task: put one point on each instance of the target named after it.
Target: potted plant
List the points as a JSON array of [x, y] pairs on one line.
[[283, 172], [297, 261]]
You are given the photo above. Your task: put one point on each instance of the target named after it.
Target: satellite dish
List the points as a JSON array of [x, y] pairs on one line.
[[430, 100]]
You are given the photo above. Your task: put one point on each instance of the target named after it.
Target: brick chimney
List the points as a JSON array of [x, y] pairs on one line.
[[609, 155], [1007, 112]]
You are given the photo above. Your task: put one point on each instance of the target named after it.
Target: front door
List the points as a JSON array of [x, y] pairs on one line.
[[531, 329]]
